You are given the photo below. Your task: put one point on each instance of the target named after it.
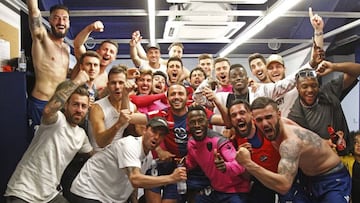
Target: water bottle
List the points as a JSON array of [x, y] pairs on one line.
[[154, 170], [22, 62], [181, 185]]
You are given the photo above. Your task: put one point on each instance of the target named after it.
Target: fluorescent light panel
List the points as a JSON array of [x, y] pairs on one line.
[[278, 9], [220, 1], [151, 11]]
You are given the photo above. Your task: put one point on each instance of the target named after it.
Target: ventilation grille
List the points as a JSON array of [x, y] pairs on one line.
[[201, 30]]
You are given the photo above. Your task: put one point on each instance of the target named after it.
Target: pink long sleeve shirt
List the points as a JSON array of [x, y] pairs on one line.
[[201, 153]]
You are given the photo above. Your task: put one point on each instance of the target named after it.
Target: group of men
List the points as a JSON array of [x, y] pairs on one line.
[[288, 158]]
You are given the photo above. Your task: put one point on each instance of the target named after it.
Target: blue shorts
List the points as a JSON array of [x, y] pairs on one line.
[[35, 109], [298, 193], [169, 191], [331, 187], [197, 179], [267, 195], [216, 197]]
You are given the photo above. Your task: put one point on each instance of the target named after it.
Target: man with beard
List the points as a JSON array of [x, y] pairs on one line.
[[50, 56], [105, 114], [37, 176], [112, 174], [239, 81], [107, 50], [328, 179], [262, 152], [205, 146], [174, 145]]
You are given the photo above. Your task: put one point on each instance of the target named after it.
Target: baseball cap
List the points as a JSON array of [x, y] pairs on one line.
[[152, 45], [274, 58], [158, 122], [158, 72]]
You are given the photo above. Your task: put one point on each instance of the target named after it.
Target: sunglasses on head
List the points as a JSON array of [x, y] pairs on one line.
[[305, 74]]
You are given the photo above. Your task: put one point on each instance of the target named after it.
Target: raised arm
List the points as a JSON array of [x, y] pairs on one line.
[[102, 135], [105, 136], [318, 26], [287, 169], [146, 100], [223, 118], [351, 71], [135, 37], [83, 35], [61, 95], [37, 29]]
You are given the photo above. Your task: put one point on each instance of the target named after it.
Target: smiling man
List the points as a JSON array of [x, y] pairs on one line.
[[257, 63], [205, 147], [107, 50], [329, 180], [37, 176], [50, 55], [316, 107], [112, 174], [174, 144]]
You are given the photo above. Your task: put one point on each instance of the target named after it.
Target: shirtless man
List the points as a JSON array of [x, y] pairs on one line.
[[50, 57], [107, 50], [329, 181]]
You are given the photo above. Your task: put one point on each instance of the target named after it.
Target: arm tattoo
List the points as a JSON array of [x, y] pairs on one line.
[[309, 138], [290, 154], [62, 93], [35, 22], [129, 170]]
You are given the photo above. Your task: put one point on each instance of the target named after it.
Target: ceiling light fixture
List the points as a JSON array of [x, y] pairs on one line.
[[151, 15], [220, 1], [274, 12]]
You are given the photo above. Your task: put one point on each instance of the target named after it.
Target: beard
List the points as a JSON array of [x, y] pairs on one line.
[[276, 132], [74, 119], [58, 34], [246, 133]]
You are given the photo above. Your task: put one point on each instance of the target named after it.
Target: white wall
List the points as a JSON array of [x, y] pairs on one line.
[[350, 103]]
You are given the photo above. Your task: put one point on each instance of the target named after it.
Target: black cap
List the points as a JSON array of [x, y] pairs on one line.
[[158, 72], [152, 45], [158, 122]]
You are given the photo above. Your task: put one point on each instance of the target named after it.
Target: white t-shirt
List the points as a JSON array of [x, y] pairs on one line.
[[103, 176], [38, 173], [145, 65], [282, 91]]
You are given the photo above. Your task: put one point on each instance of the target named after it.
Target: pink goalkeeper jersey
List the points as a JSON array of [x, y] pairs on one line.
[[201, 153]]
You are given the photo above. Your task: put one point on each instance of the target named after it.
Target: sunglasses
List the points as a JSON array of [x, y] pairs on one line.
[[306, 73]]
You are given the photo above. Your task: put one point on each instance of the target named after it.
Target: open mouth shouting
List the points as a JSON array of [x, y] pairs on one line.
[[223, 79]]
